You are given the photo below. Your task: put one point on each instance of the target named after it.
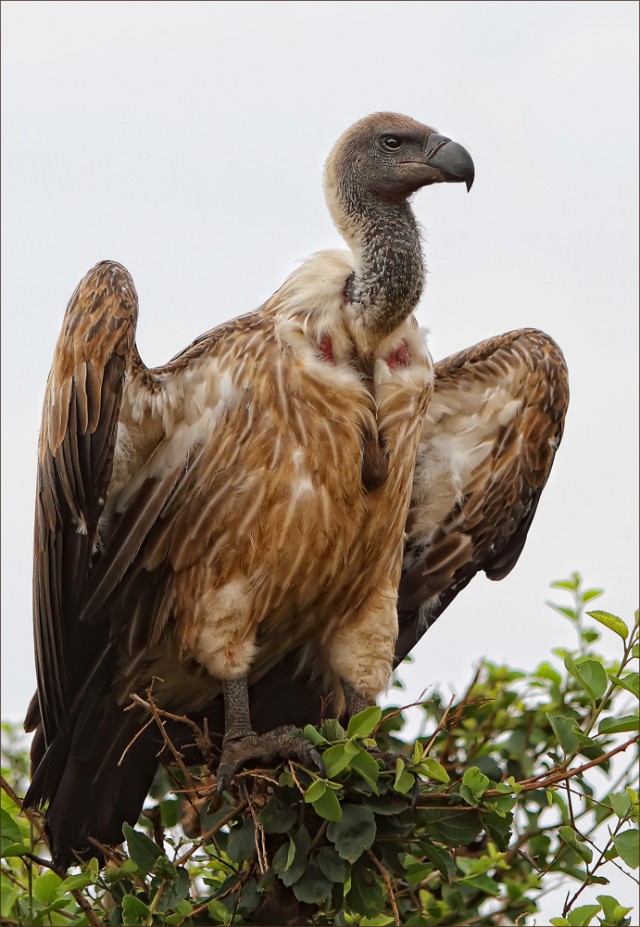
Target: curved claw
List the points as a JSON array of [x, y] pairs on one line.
[[319, 762], [286, 742]]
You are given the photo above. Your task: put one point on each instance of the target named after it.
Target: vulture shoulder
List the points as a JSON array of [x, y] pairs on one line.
[[488, 444]]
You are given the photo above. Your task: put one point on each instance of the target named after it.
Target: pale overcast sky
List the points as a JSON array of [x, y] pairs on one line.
[[186, 140]]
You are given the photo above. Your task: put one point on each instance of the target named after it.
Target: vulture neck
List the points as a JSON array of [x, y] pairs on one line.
[[389, 268]]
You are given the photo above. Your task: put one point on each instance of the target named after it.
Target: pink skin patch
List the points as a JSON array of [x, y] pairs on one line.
[[399, 357], [326, 349]]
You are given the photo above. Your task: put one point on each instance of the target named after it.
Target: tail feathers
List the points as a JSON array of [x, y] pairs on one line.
[[84, 798]]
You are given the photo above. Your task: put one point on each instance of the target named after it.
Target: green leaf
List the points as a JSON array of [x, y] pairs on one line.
[[331, 865], [567, 731], [612, 909], [46, 888], [75, 882], [365, 894], [176, 890], [593, 676], [315, 791], [567, 612], [628, 846], [559, 922], [589, 594], [630, 682], [440, 858], [13, 849], [10, 828], [291, 855], [169, 812], [354, 833], [313, 735], [546, 671], [621, 803], [571, 584], [433, 770], [366, 766], [474, 785], [404, 780], [142, 850], [617, 725], [219, 913], [333, 730], [290, 861], [336, 759], [498, 827], [452, 827], [11, 841], [134, 911], [313, 887], [182, 910], [241, 844], [568, 835], [277, 817], [362, 724], [483, 883], [581, 917], [328, 806], [610, 621]]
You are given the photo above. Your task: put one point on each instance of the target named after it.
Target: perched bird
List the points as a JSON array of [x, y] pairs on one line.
[[237, 518]]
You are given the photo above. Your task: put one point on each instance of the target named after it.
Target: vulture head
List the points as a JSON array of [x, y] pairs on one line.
[[373, 169], [386, 157]]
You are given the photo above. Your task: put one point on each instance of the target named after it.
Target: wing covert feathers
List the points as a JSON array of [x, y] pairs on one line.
[[488, 445]]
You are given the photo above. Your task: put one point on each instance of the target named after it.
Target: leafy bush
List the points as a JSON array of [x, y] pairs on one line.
[[470, 824]]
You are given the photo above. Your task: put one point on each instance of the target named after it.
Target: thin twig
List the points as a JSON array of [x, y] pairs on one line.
[[86, 907], [295, 778], [385, 875], [441, 724], [261, 847], [134, 738], [237, 809], [153, 709]]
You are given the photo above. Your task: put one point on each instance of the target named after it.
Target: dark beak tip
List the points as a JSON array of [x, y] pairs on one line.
[[469, 183]]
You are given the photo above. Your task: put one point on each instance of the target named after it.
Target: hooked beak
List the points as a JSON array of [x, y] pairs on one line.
[[447, 162]]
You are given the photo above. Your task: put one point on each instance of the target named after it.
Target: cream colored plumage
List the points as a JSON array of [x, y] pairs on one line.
[[240, 513]]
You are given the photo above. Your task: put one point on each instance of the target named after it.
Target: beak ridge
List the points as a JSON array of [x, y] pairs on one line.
[[450, 159]]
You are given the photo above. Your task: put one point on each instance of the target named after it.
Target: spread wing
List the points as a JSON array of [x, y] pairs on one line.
[[75, 459], [489, 441]]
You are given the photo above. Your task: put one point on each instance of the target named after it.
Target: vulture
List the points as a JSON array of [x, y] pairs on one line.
[[261, 529]]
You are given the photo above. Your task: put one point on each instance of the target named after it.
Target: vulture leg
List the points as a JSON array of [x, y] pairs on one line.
[[356, 701], [237, 720], [242, 745]]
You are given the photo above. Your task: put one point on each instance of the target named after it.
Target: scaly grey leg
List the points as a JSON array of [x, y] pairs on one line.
[[355, 700]]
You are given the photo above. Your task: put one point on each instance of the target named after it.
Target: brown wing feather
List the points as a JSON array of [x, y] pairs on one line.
[[489, 441], [75, 459]]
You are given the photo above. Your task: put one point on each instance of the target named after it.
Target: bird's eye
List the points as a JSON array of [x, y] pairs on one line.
[[391, 142]]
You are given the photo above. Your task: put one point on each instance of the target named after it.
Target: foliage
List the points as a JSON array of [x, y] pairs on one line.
[[523, 781]]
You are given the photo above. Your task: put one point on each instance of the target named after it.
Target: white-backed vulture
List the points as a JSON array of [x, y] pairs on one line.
[[237, 517]]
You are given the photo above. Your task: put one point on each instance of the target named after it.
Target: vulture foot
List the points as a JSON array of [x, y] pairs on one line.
[[285, 742]]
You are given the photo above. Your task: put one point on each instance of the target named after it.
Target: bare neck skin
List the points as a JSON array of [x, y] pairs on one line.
[[389, 272]]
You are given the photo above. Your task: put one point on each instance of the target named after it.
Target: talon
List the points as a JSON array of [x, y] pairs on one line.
[[319, 762], [282, 743]]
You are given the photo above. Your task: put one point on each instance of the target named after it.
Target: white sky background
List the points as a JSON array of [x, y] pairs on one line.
[[187, 140]]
